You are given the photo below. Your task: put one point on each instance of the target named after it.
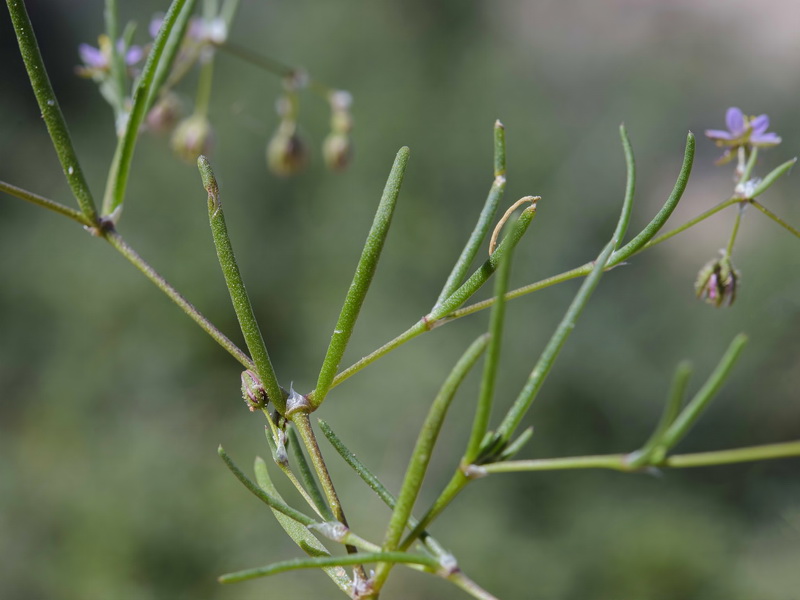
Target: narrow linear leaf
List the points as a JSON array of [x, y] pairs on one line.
[[117, 181], [333, 561], [362, 279], [480, 424], [171, 48], [680, 427], [238, 293], [484, 223], [266, 498], [661, 218], [773, 176], [423, 449], [299, 533], [630, 186], [545, 363], [50, 108], [671, 411]]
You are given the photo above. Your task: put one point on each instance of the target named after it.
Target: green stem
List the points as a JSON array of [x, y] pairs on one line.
[[238, 293], [170, 53], [113, 238], [50, 108], [306, 475], [748, 169], [775, 218], [620, 462], [270, 65], [732, 240], [46, 203], [361, 280], [204, 86], [692, 222], [303, 425], [330, 561]]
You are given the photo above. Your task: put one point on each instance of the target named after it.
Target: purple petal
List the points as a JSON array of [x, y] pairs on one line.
[[734, 119], [759, 124], [765, 139], [134, 55], [91, 56], [718, 134]]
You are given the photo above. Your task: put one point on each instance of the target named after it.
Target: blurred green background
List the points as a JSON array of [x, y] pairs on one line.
[[113, 402]]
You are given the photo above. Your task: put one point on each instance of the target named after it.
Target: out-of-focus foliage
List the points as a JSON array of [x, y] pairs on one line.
[[113, 403]]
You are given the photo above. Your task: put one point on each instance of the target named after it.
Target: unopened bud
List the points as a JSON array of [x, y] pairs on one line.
[[286, 152], [165, 114], [337, 150], [192, 137], [253, 391], [717, 282]]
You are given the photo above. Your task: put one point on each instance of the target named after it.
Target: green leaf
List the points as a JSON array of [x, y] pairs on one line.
[[299, 533]]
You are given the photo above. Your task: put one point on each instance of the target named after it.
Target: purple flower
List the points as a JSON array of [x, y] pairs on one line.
[[97, 61], [744, 131]]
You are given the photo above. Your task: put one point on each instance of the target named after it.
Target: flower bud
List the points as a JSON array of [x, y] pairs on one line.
[[286, 152], [717, 282], [253, 391], [337, 150], [192, 137], [164, 115]]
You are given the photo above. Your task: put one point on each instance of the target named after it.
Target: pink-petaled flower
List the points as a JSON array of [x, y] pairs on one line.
[[744, 131], [97, 61]]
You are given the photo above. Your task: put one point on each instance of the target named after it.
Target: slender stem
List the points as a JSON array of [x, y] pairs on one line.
[[306, 475], [303, 425], [204, 86], [45, 202], [775, 218], [362, 279], [736, 223], [423, 450], [692, 222], [459, 270], [237, 290], [275, 67], [50, 108], [748, 167], [113, 238], [473, 589], [619, 462], [330, 561]]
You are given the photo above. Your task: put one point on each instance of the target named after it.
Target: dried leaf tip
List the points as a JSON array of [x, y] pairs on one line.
[[496, 233]]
